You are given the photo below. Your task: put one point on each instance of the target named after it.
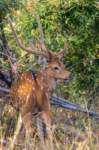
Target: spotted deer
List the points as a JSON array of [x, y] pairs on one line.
[[32, 92]]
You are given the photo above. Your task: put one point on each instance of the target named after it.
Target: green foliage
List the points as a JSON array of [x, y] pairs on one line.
[[6, 6], [69, 24]]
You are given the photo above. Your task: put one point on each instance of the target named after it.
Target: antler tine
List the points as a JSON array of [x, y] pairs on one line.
[[62, 51], [41, 41], [21, 45]]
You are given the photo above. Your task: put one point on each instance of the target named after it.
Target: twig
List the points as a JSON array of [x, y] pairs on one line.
[[2, 89]]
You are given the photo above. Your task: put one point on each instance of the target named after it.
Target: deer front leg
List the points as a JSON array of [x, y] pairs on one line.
[[27, 123], [48, 137], [26, 119], [44, 123], [45, 131]]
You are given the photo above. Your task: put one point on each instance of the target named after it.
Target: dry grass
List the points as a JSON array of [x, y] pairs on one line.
[[72, 131]]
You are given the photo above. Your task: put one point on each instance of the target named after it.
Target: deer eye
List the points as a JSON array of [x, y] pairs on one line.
[[56, 68]]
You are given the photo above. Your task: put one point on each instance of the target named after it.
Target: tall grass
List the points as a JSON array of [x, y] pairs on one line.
[[71, 131]]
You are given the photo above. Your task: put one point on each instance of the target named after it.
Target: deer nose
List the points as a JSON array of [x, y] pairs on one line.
[[68, 76]]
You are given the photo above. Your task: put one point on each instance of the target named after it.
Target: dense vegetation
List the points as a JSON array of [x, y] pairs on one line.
[[69, 24]]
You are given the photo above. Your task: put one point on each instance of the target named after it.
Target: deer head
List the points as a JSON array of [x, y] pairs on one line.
[[48, 59]]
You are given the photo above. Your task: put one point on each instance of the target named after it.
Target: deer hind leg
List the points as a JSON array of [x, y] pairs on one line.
[[45, 131], [41, 129], [27, 122], [26, 112]]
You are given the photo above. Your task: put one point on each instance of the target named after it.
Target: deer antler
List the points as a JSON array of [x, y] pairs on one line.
[[62, 51], [40, 48], [29, 49], [41, 31]]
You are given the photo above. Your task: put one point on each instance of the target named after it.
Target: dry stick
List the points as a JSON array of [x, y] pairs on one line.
[[9, 57], [18, 127], [13, 66]]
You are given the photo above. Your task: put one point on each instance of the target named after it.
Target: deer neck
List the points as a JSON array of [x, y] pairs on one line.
[[46, 82]]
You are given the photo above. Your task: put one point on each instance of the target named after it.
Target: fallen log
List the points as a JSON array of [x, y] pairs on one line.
[[65, 104]]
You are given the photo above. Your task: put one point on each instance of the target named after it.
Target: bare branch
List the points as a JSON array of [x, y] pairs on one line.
[[7, 56]]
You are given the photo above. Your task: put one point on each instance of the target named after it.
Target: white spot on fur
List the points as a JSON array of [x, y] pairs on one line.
[[27, 98]]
